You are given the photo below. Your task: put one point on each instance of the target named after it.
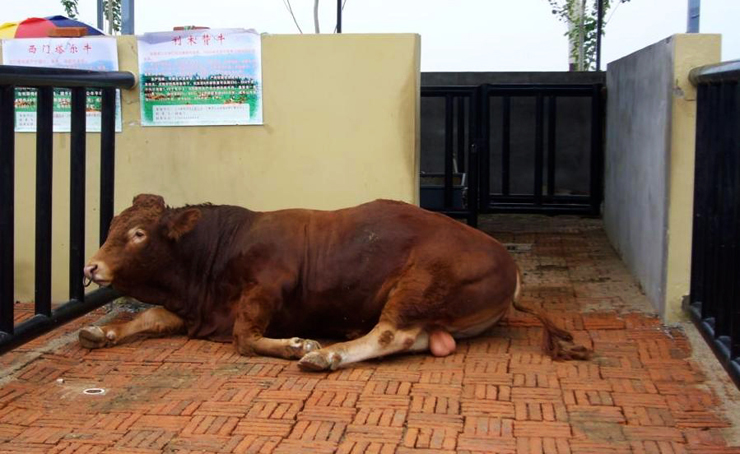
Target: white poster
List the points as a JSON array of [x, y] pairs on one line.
[[98, 54], [200, 77]]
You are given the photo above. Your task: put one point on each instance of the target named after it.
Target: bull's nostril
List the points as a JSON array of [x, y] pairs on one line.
[[89, 270]]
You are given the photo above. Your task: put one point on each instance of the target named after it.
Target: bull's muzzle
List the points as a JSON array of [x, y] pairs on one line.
[[97, 273]]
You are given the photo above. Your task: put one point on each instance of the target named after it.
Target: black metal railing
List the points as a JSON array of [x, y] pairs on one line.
[[543, 197], [461, 152], [714, 303], [468, 127], [45, 80]]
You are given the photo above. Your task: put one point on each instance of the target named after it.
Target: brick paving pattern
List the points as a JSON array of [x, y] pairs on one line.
[[496, 394]]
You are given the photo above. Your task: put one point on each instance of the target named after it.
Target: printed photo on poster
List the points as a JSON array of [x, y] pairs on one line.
[[97, 54], [200, 77]]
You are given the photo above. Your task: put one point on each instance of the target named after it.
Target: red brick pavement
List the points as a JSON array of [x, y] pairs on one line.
[[496, 394]]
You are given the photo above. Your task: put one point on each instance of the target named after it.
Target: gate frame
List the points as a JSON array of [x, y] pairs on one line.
[[480, 197]]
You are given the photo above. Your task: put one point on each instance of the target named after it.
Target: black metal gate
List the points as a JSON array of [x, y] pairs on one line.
[[714, 303], [469, 151], [78, 81]]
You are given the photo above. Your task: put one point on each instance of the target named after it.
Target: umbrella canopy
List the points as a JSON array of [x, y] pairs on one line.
[[38, 27]]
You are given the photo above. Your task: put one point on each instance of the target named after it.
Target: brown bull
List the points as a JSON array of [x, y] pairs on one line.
[[408, 279]]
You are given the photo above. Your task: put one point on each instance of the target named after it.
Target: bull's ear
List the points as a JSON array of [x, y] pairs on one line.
[[181, 222], [149, 201]]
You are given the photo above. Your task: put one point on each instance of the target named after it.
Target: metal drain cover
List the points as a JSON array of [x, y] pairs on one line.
[[94, 391]]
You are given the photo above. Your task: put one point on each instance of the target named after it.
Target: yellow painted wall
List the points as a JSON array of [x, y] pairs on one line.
[[341, 128], [689, 51]]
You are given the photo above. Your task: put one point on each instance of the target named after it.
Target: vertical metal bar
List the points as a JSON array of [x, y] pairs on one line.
[[599, 28], [127, 17], [698, 242], [44, 147], [712, 248], [484, 147], [448, 153], [339, 16], [551, 115], [474, 154], [733, 222], [506, 145], [539, 140], [77, 195], [726, 188], [473, 186], [100, 14], [461, 134], [107, 160], [597, 150], [7, 200], [692, 25]]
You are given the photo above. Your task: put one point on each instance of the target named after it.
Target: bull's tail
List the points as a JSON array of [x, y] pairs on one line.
[[556, 342]]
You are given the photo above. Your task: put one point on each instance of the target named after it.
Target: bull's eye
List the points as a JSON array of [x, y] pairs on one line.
[[138, 235]]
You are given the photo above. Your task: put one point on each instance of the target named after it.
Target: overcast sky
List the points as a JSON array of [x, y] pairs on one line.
[[457, 35]]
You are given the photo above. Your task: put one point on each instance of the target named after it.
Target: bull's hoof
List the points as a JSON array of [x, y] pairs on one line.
[[318, 361], [93, 337], [298, 348]]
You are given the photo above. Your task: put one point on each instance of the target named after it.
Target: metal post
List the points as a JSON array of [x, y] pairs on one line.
[[473, 185], [7, 198], [539, 139], [714, 152], [127, 17], [77, 195], [597, 150], [694, 14], [460, 134], [599, 29], [474, 165], [339, 16], [484, 147], [551, 115], [107, 160], [449, 162], [726, 203], [697, 296], [505, 145], [100, 14], [44, 147]]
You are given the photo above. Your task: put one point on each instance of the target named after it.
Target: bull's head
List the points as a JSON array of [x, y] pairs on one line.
[[140, 243]]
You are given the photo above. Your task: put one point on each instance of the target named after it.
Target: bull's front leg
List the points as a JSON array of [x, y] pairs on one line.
[[156, 321], [253, 313]]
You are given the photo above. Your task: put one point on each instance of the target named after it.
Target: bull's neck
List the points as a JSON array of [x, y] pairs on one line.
[[202, 256]]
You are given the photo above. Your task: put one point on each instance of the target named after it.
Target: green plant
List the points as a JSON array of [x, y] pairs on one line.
[[582, 18], [111, 11], [70, 7]]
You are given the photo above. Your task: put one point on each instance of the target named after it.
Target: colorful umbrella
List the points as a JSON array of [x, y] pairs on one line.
[[37, 27]]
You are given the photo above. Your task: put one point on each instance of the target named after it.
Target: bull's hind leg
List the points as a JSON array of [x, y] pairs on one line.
[[406, 325], [156, 321], [384, 339]]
